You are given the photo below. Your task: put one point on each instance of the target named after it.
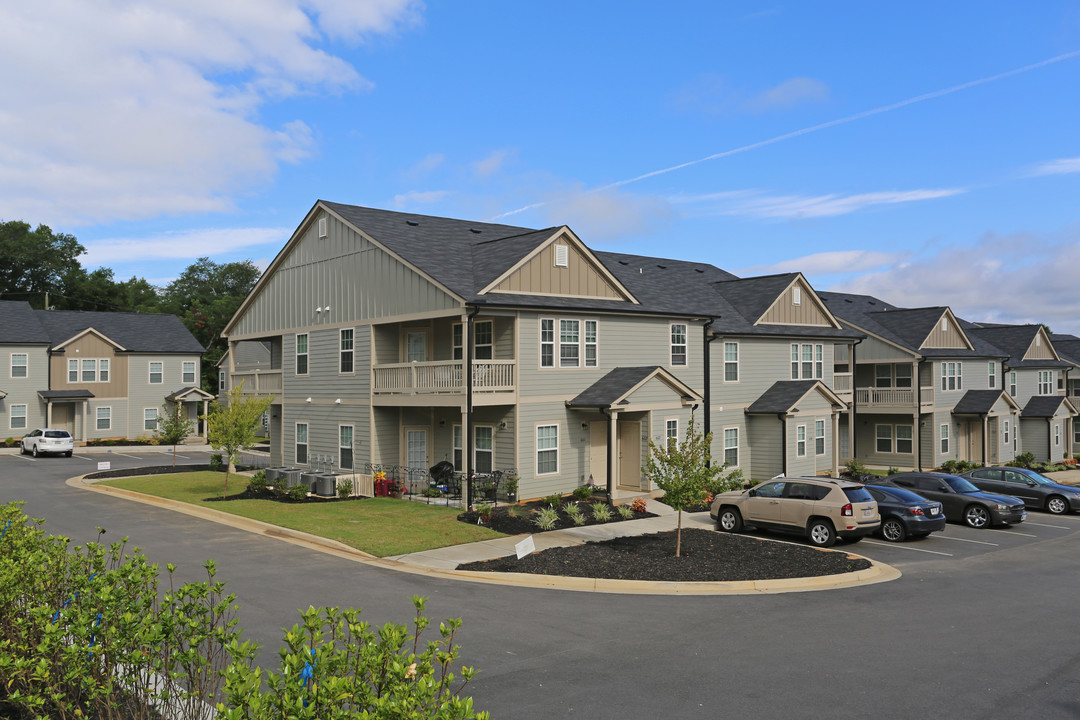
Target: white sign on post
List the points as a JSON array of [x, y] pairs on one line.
[[525, 547], [104, 465]]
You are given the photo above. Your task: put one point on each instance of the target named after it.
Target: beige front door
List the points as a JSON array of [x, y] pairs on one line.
[[974, 441], [630, 454], [63, 418], [598, 454]]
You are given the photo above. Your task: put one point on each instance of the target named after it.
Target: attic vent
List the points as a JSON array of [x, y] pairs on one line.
[[698, 270], [662, 267], [411, 222], [475, 230], [624, 262], [322, 228], [562, 256], [796, 296], [944, 325]]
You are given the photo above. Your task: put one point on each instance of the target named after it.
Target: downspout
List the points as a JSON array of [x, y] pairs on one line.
[[918, 414], [783, 443], [707, 401], [466, 451], [854, 396], [610, 449]]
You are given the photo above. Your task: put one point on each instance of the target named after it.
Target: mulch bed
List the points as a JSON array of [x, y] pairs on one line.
[[706, 556], [519, 519]]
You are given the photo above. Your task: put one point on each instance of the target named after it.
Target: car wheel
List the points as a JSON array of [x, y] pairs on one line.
[[893, 530], [977, 516], [67, 454], [730, 520], [34, 452], [22, 449], [1057, 505], [821, 533]]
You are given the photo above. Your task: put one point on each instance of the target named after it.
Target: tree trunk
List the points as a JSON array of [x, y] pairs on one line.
[[174, 455], [225, 494]]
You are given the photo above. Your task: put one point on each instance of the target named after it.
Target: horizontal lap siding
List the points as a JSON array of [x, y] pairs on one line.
[[23, 391], [323, 380], [867, 440], [323, 421], [142, 395], [811, 409], [573, 449]]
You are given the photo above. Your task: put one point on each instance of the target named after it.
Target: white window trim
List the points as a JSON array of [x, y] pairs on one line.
[[896, 439], [562, 255], [734, 447], [82, 370], [550, 343], [944, 444], [306, 354], [297, 443], [946, 375], [576, 344], [738, 374], [1005, 431], [817, 367], [991, 375], [150, 372], [457, 438], [1057, 434], [184, 374], [351, 447], [685, 345], [796, 296], [98, 418], [586, 344], [73, 362], [25, 366], [490, 345], [221, 381], [667, 428], [1012, 384], [342, 352], [457, 337], [800, 441], [157, 419], [12, 417], [476, 450], [824, 446], [537, 449], [878, 438]]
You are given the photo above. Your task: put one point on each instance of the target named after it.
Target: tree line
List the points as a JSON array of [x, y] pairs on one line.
[[42, 267]]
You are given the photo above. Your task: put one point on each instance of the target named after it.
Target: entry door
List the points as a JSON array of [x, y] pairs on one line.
[[630, 454], [974, 441], [416, 455], [995, 439], [63, 418], [598, 454]]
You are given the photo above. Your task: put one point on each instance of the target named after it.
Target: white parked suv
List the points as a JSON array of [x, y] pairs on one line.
[[47, 440]]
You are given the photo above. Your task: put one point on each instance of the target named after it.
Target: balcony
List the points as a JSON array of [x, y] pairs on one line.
[[892, 399], [427, 378], [258, 382], [841, 385]]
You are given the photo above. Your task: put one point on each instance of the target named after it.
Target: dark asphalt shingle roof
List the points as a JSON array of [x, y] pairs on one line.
[[612, 386], [135, 332], [1068, 347], [1042, 406], [781, 397], [752, 296], [65, 394], [977, 402], [19, 324], [1014, 341]]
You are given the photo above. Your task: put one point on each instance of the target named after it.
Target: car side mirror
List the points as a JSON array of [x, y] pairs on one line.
[[752, 493], [944, 489], [1031, 483]]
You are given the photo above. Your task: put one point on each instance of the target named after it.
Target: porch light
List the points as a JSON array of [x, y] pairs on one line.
[[308, 400]]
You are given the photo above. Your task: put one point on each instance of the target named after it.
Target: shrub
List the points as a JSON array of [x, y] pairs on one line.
[[484, 510], [552, 501], [893, 470], [601, 512], [344, 489], [298, 493], [257, 483], [1025, 459], [431, 492], [624, 511], [639, 505], [855, 468], [949, 466], [216, 461], [583, 492], [547, 518]]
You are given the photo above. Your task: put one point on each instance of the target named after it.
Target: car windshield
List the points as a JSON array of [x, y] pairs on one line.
[[57, 434], [858, 494], [959, 484], [1037, 477]]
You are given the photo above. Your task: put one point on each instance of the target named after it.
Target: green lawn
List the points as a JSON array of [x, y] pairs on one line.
[[380, 526]]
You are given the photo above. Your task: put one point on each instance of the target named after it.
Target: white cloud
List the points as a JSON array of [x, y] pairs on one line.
[[425, 167], [597, 216], [788, 94], [1061, 166], [1004, 278], [125, 110], [181, 245], [408, 199], [755, 204], [492, 164], [829, 263]]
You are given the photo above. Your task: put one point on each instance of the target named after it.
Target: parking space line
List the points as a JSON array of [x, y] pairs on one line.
[[1018, 534], [23, 457], [166, 452], [978, 542], [83, 457], [906, 547], [136, 457], [1059, 527]]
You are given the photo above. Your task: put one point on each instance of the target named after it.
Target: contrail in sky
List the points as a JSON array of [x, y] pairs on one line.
[[822, 126]]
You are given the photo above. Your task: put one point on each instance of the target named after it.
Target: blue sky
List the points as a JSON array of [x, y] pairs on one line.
[[927, 153]]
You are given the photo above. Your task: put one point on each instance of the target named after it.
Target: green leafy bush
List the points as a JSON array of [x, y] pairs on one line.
[[855, 468], [601, 512], [552, 500], [547, 518], [257, 483], [216, 461], [1025, 459], [583, 492], [298, 493]]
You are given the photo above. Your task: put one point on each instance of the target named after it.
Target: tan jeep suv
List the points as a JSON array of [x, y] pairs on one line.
[[822, 509]]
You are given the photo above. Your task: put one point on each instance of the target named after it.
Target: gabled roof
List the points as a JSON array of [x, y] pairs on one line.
[[614, 387], [1046, 406], [981, 402], [19, 325], [1067, 346], [786, 394], [752, 296], [1015, 341], [914, 325], [189, 393], [135, 332]]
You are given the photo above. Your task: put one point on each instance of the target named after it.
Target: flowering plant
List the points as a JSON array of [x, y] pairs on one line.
[[638, 505]]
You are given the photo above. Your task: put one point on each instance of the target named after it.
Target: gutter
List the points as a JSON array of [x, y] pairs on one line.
[[610, 449], [707, 399], [467, 440], [852, 415], [783, 442]]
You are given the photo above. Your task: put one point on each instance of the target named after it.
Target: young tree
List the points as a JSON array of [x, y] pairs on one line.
[[173, 426], [684, 471], [230, 427]]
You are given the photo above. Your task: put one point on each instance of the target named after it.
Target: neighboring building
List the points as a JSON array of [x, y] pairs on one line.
[[1034, 375], [1068, 348], [400, 339], [96, 374], [924, 390]]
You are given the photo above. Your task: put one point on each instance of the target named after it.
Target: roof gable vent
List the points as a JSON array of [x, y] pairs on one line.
[[562, 256], [323, 231]]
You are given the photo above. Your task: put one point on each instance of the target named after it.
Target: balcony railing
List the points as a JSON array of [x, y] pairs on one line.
[[889, 398], [260, 382], [442, 377], [841, 383]]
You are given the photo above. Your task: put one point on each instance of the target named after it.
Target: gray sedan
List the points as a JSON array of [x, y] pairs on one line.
[[1036, 490]]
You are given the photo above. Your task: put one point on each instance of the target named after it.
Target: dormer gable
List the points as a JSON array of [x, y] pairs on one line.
[[1041, 348], [91, 334], [562, 266], [946, 334], [798, 304]]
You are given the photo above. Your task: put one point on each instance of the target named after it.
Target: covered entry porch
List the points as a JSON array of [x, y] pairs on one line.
[[66, 410]]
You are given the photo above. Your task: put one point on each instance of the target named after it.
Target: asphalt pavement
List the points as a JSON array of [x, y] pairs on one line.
[[979, 626]]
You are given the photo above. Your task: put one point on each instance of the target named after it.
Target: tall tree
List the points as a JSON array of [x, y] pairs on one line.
[[34, 262], [231, 426], [98, 290], [205, 297]]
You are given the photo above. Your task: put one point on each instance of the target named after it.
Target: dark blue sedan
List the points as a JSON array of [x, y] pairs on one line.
[[905, 514]]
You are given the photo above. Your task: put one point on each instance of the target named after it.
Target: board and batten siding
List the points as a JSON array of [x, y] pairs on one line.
[[580, 278], [90, 346], [358, 281], [952, 337], [808, 312]]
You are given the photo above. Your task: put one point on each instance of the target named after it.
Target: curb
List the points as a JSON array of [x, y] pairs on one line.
[[877, 573]]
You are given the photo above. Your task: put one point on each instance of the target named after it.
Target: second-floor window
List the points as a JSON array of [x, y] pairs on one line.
[[345, 343], [73, 371], [678, 344], [807, 361], [569, 343], [578, 343], [547, 342], [1046, 382], [221, 381], [19, 366], [189, 372], [157, 372], [483, 342], [991, 375], [731, 362], [1012, 384], [590, 343], [952, 376], [302, 354]]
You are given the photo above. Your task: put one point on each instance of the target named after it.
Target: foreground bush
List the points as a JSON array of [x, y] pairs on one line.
[[85, 634]]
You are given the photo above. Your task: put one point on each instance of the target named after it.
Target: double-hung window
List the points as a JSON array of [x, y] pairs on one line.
[[1005, 432], [883, 376], [904, 439], [221, 381], [483, 448], [991, 375], [807, 361], [902, 375], [104, 418], [731, 362], [19, 365], [89, 371], [944, 438], [883, 435], [459, 462], [1012, 384], [547, 342], [547, 449], [591, 356], [952, 376], [483, 342], [345, 350], [156, 372], [678, 344], [800, 441], [302, 354], [73, 371], [731, 447], [188, 372], [150, 419], [345, 447], [671, 433], [1046, 382], [103, 371], [17, 417], [569, 343], [457, 340], [819, 437], [301, 443]]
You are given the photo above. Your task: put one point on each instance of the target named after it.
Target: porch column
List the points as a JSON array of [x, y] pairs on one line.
[[83, 433], [835, 472], [613, 450], [48, 413], [205, 411], [986, 440]]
